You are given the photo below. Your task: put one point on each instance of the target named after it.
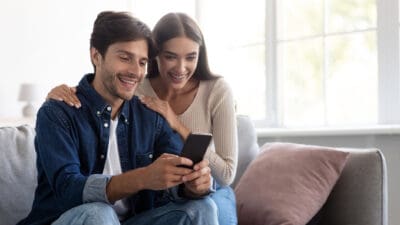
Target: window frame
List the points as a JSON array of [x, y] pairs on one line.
[[388, 62]]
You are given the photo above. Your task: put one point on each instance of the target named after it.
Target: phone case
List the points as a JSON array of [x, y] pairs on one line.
[[196, 146]]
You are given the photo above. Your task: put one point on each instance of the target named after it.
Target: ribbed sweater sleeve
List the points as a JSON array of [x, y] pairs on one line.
[[223, 154]]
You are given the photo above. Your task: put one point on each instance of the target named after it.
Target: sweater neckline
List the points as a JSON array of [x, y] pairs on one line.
[[189, 108]]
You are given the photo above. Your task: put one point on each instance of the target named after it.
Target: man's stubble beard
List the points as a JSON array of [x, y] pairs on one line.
[[113, 80]]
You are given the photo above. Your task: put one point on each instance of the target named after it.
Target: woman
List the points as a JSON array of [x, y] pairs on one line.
[[181, 87]]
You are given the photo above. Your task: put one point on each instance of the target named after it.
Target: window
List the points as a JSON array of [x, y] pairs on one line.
[[326, 62], [299, 63], [318, 60]]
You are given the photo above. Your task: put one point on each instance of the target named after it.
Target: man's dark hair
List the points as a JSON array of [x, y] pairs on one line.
[[111, 27]]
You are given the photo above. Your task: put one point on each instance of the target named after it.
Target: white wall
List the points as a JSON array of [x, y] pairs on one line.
[[389, 144], [45, 42]]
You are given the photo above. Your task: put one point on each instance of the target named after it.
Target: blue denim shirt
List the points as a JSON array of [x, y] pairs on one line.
[[71, 146]]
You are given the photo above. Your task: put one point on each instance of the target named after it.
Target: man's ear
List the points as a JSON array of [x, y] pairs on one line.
[[95, 56]]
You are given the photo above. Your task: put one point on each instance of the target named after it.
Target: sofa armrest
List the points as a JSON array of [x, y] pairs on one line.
[[360, 194], [247, 145], [18, 174]]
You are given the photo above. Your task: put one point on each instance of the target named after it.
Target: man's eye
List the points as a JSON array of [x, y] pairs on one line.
[[124, 58]]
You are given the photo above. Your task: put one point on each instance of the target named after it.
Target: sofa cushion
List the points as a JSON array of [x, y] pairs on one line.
[[287, 183], [18, 174]]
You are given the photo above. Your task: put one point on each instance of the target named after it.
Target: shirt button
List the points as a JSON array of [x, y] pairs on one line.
[[105, 125], [109, 108], [98, 113], [102, 156], [151, 156]]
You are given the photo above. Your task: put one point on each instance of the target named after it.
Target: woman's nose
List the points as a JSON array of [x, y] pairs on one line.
[[181, 66]]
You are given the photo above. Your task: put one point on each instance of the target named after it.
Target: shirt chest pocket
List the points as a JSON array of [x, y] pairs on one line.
[[144, 159]]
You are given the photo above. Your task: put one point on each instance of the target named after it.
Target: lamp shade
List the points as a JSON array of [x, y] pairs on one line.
[[29, 93]]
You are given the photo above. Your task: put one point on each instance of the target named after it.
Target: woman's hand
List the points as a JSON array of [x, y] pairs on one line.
[[166, 111], [198, 183], [65, 94], [161, 107]]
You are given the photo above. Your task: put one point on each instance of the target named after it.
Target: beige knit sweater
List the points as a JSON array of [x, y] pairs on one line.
[[211, 111]]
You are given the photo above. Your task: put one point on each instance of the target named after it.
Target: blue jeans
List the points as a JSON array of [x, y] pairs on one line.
[[224, 198], [203, 211]]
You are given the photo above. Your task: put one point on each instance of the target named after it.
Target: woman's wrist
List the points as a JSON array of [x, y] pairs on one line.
[[183, 191], [183, 132]]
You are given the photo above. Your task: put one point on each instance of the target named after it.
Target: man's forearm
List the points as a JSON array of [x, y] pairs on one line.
[[125, 184], [183, 131]]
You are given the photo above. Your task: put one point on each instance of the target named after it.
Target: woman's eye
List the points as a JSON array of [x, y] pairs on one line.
[[169, 57], [191, 58]]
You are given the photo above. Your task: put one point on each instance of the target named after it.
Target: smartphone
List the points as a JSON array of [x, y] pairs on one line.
[[195, 147]]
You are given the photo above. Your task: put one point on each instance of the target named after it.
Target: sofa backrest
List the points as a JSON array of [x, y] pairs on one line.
[[18, 174], [247, 145]]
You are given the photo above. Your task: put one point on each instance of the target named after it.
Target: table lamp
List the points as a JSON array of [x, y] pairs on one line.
[[29, 93]]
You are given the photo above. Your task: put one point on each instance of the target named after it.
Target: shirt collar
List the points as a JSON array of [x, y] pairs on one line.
[[96, 101]]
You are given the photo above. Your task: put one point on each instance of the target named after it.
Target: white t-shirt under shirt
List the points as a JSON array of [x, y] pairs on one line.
[[113, 166]]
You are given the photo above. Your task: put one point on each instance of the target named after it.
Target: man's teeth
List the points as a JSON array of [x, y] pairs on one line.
[[128, 81]]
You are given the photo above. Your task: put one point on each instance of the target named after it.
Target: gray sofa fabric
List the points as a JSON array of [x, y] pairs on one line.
[[18, 174], [247, 144], [359, 197]]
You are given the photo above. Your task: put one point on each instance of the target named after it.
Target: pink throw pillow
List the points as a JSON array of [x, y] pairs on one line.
[[287, 183]]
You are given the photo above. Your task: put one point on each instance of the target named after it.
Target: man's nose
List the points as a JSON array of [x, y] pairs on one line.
[[136, 69]]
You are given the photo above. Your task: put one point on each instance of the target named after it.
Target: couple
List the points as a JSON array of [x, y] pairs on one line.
[[114, 160]]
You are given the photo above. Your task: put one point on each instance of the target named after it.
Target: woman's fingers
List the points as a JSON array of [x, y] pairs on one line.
[[150, 102], [66, 94]]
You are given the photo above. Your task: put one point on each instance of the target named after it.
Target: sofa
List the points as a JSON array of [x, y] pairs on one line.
[[359, 197]]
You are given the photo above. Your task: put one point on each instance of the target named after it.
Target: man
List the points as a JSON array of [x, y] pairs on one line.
[[114, 159]]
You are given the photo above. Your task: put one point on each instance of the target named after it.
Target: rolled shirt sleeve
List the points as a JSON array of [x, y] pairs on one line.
[[95, 189]]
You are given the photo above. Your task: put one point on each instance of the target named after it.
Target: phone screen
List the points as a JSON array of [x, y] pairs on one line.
[[196, 146]]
